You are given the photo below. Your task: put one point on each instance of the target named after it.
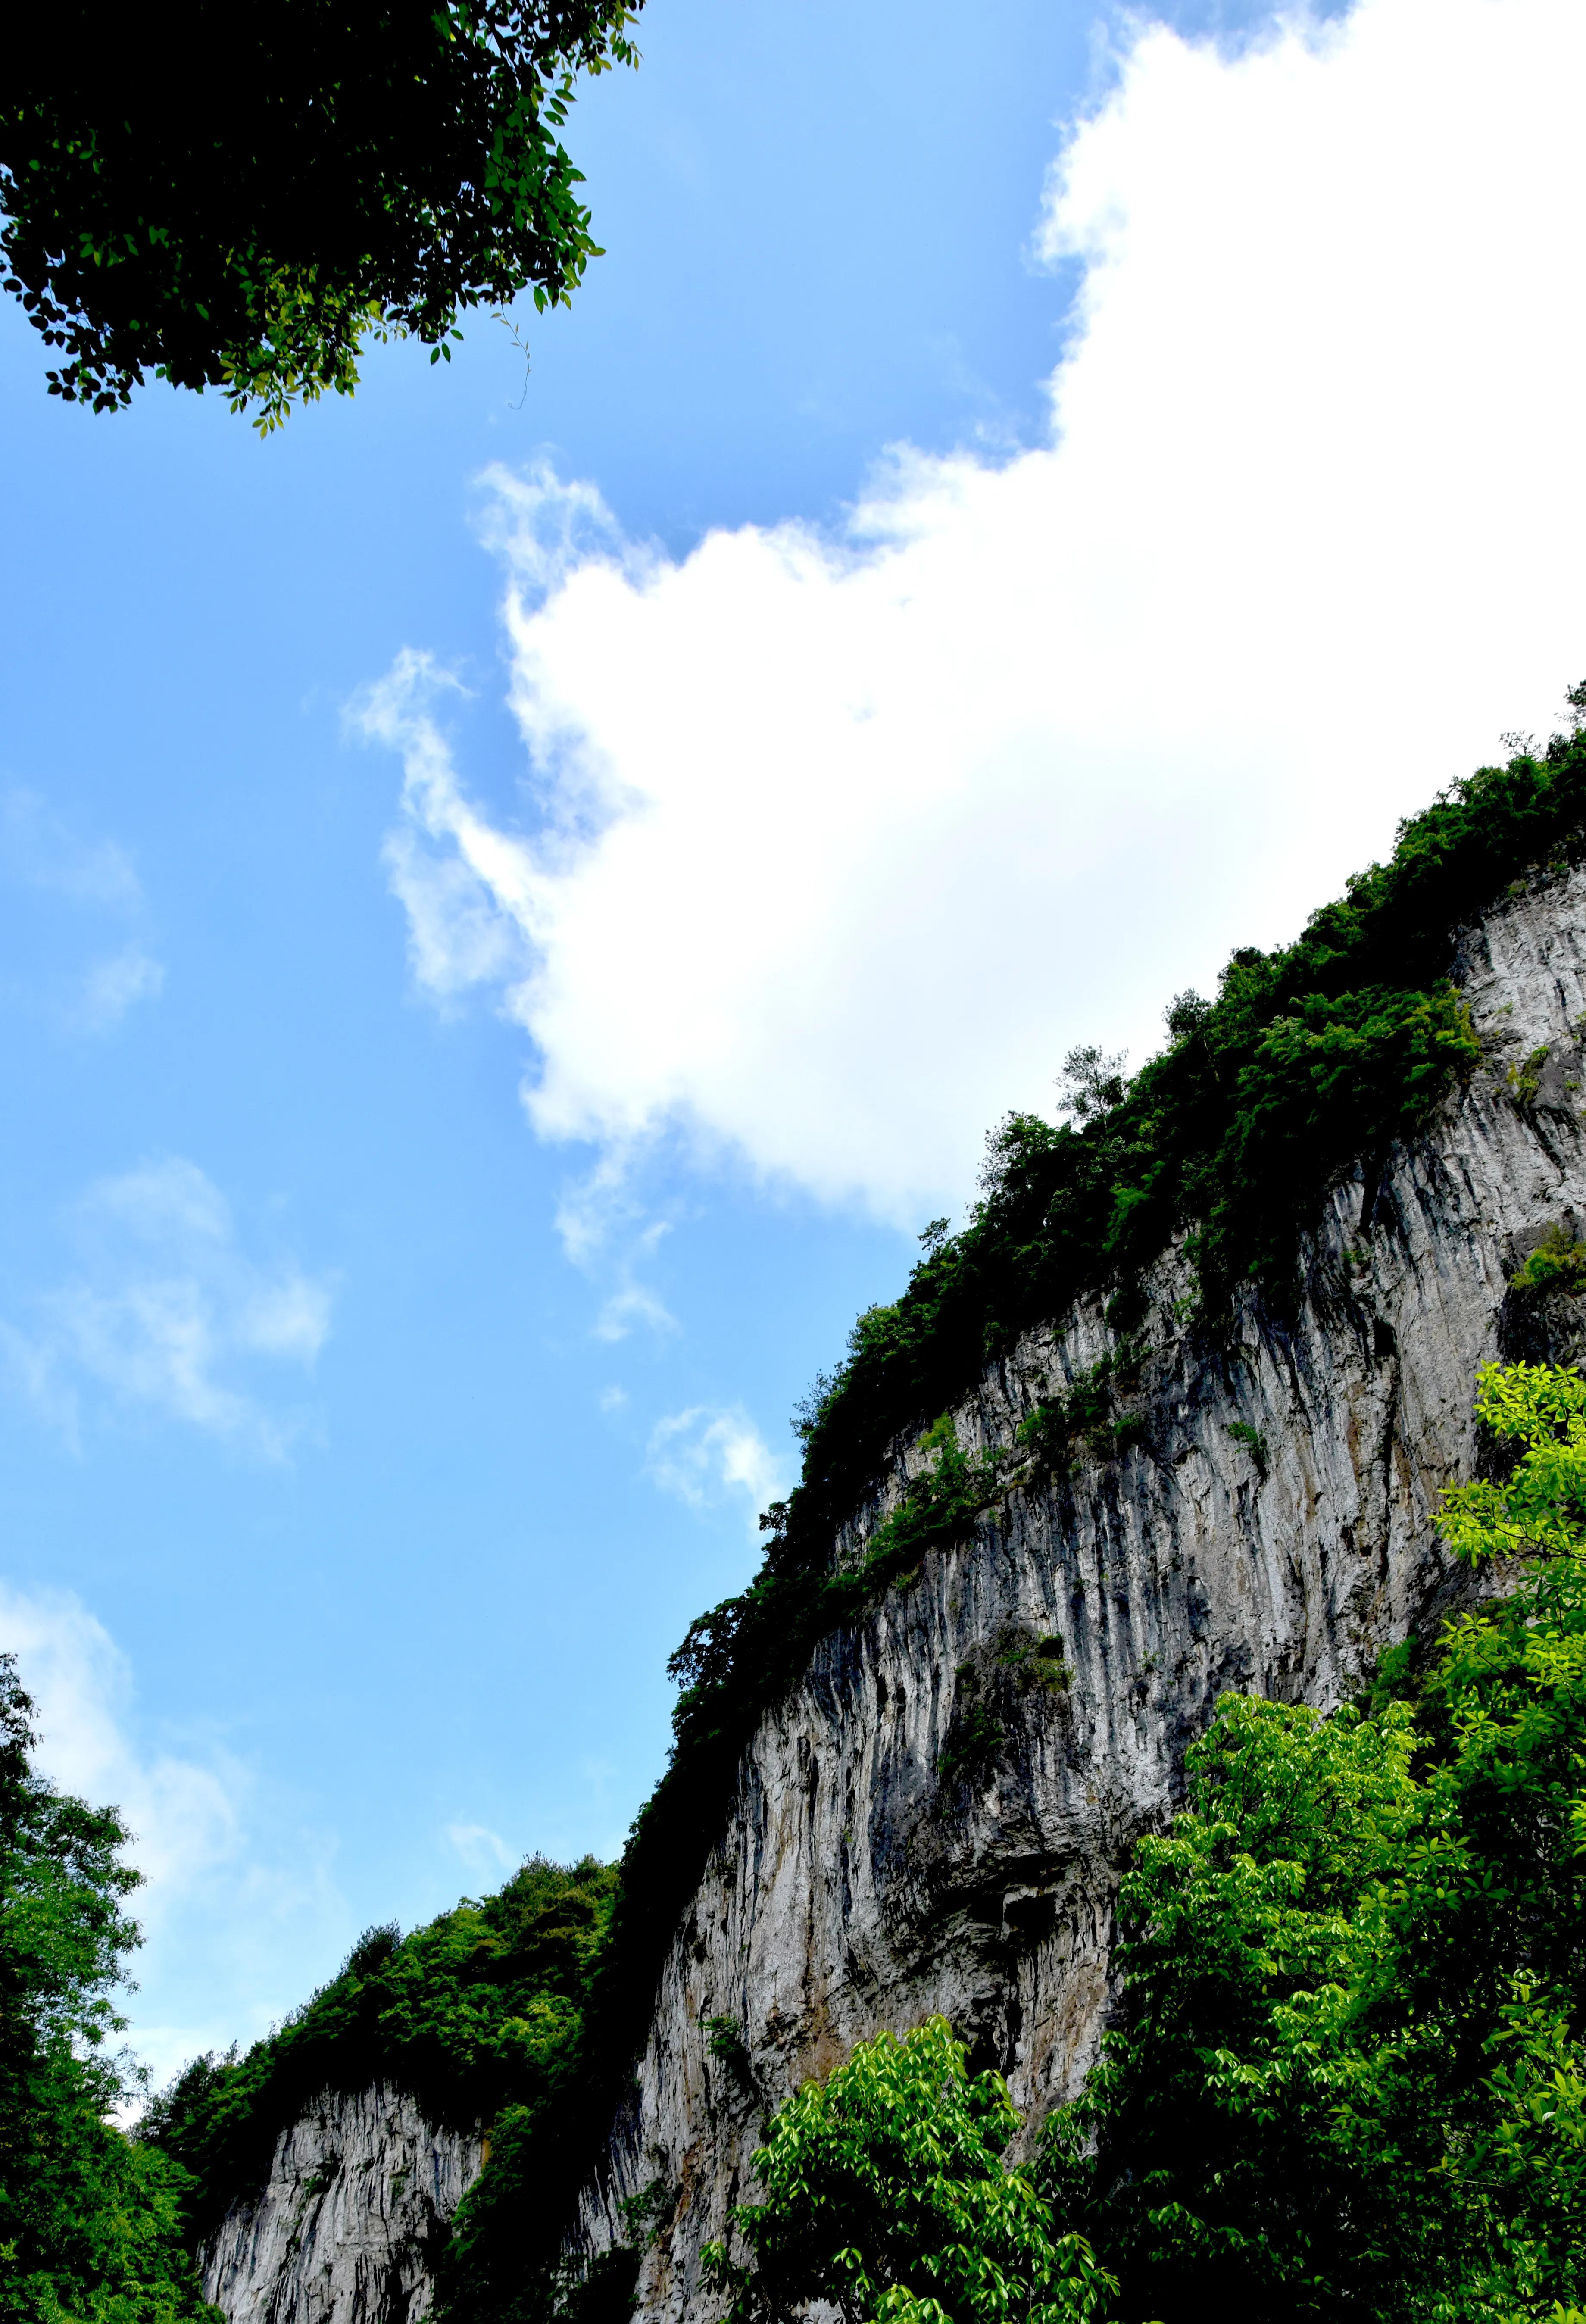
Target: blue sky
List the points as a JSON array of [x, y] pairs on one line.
[[522, 896]]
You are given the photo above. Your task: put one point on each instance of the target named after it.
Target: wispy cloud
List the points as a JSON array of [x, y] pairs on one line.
[[108, 988], [171, 1317], [835, 842], [606, 1231], [710, 1452], [42, 849], [485, 1852], [98, 880]]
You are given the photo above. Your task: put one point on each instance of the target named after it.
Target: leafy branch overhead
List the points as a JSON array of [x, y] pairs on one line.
[[241, 199]]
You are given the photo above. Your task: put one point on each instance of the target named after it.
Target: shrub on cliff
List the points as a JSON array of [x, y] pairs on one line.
[[1351, 2073], [1350, 2078]]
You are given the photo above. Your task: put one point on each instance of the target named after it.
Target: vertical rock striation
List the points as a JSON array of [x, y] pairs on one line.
[[346, 2230], [935, 1820]]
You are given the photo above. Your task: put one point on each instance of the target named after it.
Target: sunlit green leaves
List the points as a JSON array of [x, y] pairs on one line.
[[247, 209], [1349, 2077], [886, 2192]]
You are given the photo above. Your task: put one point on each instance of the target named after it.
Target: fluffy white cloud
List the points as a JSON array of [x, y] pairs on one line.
[[170, 1310], [835, 843], [707, 1451]]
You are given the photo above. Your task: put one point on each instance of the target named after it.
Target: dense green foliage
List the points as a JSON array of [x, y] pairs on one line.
[[1350, 2075], [1351, 2079], [885, 2192], [238, 199], [1558, 1263], [478, 2016], [89, 2220], [1311, 1060]]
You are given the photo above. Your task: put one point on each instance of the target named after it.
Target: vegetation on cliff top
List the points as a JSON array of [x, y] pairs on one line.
[[1350, 2076], [1311, 1059], [479, 2015]]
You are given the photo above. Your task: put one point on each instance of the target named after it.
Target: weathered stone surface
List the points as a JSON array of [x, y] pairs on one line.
[[345, 2232], [860, 1883]]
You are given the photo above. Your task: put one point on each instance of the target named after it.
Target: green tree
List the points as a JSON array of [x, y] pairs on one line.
[[89, 2219], [479, 2016], [1205, 2153], [240, 198], [886, 2193], [1350, 2074], [1349, 2079]]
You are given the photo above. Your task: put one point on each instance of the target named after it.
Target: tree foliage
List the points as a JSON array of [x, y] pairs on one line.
[[1351, 2075], [90, 2221], [478, 2016], [1349, 2080], [1312, 1060], [886, 2194], [240, 198]]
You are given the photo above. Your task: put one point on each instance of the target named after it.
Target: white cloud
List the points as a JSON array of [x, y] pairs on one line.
[[485, 1852], [170, 1313], [605, 1230], [707, 1451], [184, 1815], [108, 988], [230, 1913], [39, 850], [835, 844]]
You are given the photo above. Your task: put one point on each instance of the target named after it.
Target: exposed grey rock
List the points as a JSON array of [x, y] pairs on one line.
[[861, 1884], [346, 2230], [865, 1880]]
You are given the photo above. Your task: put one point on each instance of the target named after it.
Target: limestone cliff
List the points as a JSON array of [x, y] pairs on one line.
[[1267, 1530], [936, 1818], [345, 2231]]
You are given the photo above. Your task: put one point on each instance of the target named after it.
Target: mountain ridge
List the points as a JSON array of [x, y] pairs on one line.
[[951, 1841]]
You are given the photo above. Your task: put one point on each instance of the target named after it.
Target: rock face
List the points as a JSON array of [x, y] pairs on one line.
[[359, 2200], [936, 1820], [937, 1817]]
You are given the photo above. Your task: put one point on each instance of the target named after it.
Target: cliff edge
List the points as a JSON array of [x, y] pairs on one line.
[[936, 1815]]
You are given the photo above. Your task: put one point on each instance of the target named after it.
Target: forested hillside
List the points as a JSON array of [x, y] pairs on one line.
[[523, 2013]]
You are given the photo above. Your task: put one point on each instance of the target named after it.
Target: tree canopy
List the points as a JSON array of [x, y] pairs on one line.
[[90, 2220], [886, 2194], [239, 198], [1349, 2075]]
